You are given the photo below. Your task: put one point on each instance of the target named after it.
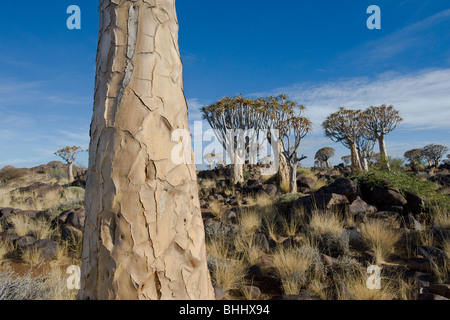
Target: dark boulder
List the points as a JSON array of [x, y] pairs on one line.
[[343, 186], [270, 189]]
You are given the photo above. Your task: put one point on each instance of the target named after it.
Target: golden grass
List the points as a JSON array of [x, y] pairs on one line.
[[322, 224], [446, 247], [251, 220], [5, 248], [228, 274], [272, 229], [31, 256], [247, 292], [216, 209], [58, 289], [353, 286], [218, 248], [262, 200], [291, 226], [295, 266], [39, 228], [441, 218], [381, 239]]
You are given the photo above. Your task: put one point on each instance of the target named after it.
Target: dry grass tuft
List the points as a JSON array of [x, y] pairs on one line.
[[216, 209], [5, 248], [228, 274], [296, 266], [52, 286], [25, 225], [441, 218], [381, 239], [322, 224], [251, 220], [353, 286], [31, 256]]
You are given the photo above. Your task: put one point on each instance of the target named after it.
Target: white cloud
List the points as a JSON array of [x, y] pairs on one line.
[[423, 98]]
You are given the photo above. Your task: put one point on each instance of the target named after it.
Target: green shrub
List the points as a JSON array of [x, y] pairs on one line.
[[58, 174], [406, 182], [55, 211]]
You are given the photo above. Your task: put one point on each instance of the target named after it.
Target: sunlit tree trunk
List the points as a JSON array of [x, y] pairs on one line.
[[356, 162], [283, 171], [70, 172], [238, 170], [383, 152], [144, 234], [293, 177]]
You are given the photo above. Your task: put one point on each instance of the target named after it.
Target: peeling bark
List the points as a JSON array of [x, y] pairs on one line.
[[144, 234]]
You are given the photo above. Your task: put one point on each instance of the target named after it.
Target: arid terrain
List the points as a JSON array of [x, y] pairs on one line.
[[262, 242]]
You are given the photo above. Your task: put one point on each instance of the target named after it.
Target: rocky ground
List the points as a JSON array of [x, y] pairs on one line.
[[261, 242]]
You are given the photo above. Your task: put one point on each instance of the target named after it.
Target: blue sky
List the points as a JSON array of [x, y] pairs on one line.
[[320, 53]]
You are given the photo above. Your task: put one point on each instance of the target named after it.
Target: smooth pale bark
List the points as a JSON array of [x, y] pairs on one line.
[[144, 234], [383, 152], [365, 164], [356, 162], [70, 172], [238, 170], [293, 177]]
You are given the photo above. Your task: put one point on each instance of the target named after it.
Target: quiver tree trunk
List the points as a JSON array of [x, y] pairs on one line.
[[144, 234], [237, 170], [356, 162], [383, 152], [293, 177], [70, 172], [283, 170]]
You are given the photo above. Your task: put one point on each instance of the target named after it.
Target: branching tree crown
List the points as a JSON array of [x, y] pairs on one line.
[[414, 156], [346, 127], [434, 153], [236, 123], [324, 155], [382, 120], [69, 154]]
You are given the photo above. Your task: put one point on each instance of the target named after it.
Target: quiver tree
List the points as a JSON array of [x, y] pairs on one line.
[[144, 236], [347, 160], [324, 155], [415, 157], [381, 121], [212, 158], [345, 126], [236, 123], [433, 153], [278, 111], [365, 145], [292, 133], [69, 155]]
